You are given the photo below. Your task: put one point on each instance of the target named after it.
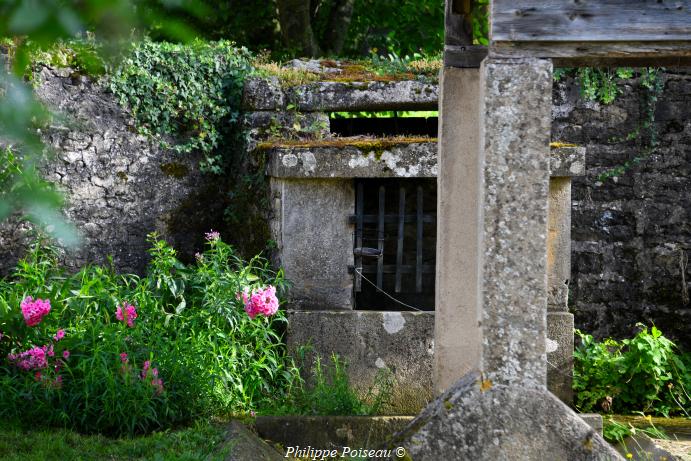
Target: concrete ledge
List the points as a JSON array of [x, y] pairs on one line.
[[355, 159], [267, 94], [567, 162], [403, 342], [381, 158], [244, 445], [593, 420], [324, 432]]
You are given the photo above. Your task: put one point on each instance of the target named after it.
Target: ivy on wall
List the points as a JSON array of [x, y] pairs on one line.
[[186, 96]]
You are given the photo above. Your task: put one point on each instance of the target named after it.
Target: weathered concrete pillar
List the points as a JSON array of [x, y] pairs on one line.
[[517, 102], [457, 322], [565, 162], [315, 241], [505, 411]]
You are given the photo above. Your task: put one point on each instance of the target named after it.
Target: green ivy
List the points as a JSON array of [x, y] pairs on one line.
[[644, 373], [187, 96]]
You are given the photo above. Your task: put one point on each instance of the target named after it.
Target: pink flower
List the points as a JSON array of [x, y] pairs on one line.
[[49, 350], [32, 359], [1, 335], [34, 311], [212, 235], [261, 301], [123, 357], [145, 369], [59, 335], [198, 256], [126, 313], [65, 354], [158, 385]]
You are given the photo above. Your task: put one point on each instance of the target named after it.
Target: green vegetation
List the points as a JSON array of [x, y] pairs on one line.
[[188, 96], [185, 347], [643, 374], [197, 443], [328, 393]]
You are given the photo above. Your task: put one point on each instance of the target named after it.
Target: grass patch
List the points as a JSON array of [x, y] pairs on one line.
[[199, 442]]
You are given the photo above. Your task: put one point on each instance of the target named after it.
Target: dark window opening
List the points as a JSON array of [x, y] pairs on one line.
[[395, 244], [390, 125]]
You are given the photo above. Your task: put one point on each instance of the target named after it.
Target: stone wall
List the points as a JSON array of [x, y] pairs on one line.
[[119, 185], [631, 233]]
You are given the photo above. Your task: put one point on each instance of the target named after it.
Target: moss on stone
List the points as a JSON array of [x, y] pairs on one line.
[[559, 145], [122, 176], [366, 145], [174, 169]]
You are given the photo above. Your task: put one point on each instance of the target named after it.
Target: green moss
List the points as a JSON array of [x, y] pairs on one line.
[[366, 145], [175, 169], [122, 176]]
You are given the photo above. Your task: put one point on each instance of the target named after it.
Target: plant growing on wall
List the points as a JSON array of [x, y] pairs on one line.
[[187, 96]]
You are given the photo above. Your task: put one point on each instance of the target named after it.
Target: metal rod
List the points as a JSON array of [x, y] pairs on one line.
[[380, 236], [399, 246], [359, 211], [418, 259]]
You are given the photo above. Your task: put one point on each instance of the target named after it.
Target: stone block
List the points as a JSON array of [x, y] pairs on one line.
[[567, 162], [560, 355], [315, 242], [244, 445], [593, 420], [262, 93], [358, 160], [479, 420], [559, 243], [370, 341], [363, 96]]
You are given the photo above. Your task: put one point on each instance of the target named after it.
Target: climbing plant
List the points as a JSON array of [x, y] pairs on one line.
[[186, 96]]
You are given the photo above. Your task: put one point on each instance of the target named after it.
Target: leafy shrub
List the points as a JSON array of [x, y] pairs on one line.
[[329, 393], [127, 354], [189, 94], [644, 373]]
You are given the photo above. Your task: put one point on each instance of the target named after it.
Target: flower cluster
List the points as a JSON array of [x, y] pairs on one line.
[[33, 359], [34, 311], [149, 373], [212, 235], [126, 313], [260, 301]]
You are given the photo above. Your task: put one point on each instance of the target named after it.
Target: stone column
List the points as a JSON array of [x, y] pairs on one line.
[[505, 411], [517, 102], [565, 162], [457, 323]]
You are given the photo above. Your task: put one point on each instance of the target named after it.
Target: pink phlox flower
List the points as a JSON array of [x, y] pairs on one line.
[[145, 369], [34, 310], [32, 359], [126, 313], [261, 301], [212, 235], [123, 357], [65, 354], [154, 372], [49, 350], [59, 335]]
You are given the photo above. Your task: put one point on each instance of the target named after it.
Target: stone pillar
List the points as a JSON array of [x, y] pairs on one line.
[[457, 324], [505, 411], [315, 241], [517, 102], [566, 162]]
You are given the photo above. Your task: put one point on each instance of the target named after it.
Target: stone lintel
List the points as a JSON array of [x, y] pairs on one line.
[[567, 161], [355, 161], [267, 94], [377, 158]]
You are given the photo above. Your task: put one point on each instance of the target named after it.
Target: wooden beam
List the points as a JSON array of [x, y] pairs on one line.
[[591, 20], [464, 56], [593, 32], [458, 29]]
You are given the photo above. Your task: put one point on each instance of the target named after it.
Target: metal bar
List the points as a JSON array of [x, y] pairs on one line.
[[399, 246], [428, 218], [380, 237], [418, 256], [391, 269], [359, 210]]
